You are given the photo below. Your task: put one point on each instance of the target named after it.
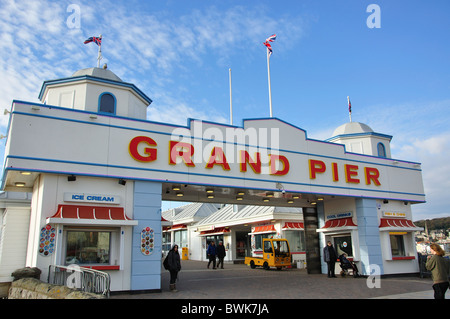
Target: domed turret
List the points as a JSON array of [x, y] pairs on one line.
[[103, 73], [360, 138], [352, 128], [96, 90]]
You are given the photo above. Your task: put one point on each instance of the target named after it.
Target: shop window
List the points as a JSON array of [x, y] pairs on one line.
[[343, 244], [88, 247], [381, 150], [107, 103], [397, 245], [180, 238], [296, 239], [258, 240], [166, 244]]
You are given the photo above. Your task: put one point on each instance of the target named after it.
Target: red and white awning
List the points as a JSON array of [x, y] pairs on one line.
[[90, 215], [215, 231], [177, 227], [293, 226], [398, 224], [339, 224], [263, 230]]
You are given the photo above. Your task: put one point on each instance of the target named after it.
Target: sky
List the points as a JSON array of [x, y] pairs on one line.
[[393, 61]]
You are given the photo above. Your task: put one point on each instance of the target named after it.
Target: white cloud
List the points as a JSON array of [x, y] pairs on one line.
[[145, 48]]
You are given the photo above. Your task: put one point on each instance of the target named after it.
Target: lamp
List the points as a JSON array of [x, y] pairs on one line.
[[122, 181], [71, 178]]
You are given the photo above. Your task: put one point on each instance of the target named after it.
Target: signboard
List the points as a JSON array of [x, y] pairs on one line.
[[394, 214], [339, 215], [257, 155], [92, 198]]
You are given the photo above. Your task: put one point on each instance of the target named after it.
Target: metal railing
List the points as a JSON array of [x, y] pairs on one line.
[[76, 277]]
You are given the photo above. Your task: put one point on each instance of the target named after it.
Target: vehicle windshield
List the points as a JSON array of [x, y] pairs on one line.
[[281, 248]]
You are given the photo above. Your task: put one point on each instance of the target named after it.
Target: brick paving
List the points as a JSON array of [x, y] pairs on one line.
[[238, 281]]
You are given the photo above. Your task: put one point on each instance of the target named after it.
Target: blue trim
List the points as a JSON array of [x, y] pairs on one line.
[[207, 184], [190, 173], [91, 78], [100, 100], [361, 134]]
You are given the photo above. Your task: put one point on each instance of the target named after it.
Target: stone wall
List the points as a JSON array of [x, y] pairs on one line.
[[32, 288], [26, 285]]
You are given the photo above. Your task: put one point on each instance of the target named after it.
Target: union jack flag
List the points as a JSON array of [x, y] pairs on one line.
[[271, 38], [269, 47], [349, 105], [96, 40]]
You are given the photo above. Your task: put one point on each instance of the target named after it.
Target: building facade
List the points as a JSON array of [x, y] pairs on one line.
[[97, 172]]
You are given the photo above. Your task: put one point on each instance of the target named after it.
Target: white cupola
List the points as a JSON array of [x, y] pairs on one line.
[[360, 138], [96, 90]]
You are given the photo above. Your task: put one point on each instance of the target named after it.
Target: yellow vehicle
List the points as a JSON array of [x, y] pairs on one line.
[[276, 253]]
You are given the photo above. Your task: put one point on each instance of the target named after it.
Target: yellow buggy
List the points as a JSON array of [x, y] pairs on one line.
[[276, 253]]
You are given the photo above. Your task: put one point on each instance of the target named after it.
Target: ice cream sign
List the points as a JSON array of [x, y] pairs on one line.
[[91, 198]]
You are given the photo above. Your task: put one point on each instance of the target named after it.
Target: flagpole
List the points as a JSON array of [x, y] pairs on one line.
[[231, 100], [99, 57], [268, 77]]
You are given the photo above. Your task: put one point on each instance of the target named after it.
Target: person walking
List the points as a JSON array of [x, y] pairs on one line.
[[221, 254], [330, 257], [440, 270], [173, 265], [211, 252]]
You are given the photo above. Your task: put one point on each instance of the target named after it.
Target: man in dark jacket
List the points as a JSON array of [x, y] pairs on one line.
[[220, 254], [174, 266], [211, 252], [330, 257]]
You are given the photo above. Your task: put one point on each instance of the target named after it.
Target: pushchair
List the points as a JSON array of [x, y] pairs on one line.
[[346, 266]]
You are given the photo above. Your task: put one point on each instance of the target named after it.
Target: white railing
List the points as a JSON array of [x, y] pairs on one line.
[[84, 279]]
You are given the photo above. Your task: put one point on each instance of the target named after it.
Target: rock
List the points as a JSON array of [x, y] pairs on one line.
[[27, 272]]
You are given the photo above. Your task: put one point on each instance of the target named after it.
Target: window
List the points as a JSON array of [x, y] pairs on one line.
[[107, 103], [268, 247], [381, 150], [296, 239], [180, 238], [397, 245], [343, 244], [281, 248], [258, 239], [88, 247]]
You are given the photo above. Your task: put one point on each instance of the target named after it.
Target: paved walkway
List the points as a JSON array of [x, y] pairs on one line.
[[238, 281]]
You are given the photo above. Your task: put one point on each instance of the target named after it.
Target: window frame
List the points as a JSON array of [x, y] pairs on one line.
[[381, 146], [100, 103], [114, 245], [400, 241]]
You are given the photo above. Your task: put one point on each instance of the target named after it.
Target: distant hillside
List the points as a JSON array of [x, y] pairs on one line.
[[436, 223]]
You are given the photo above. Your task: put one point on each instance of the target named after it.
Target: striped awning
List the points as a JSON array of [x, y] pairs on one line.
[[293, 226], [92, 215], [263, 229], [339, 224], [400, 224], [215, 231]]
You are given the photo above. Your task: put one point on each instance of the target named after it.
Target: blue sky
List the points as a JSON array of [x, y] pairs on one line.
[[179, 52]]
